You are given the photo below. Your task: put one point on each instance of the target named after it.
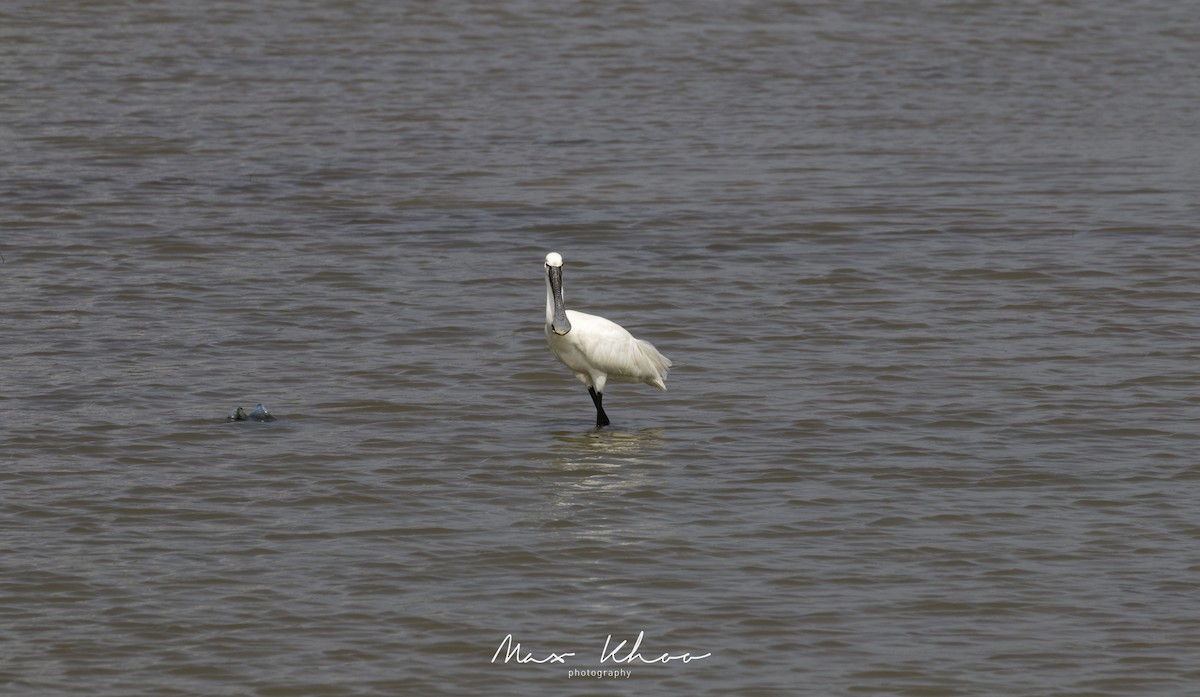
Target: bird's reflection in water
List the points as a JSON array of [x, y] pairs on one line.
[[599, 511], [608, 440], [605, 451], [591, 476]]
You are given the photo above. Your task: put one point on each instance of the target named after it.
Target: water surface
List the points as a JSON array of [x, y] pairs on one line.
[[926, 271]]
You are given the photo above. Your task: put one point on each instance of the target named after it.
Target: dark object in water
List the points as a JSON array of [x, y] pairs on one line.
[[260, 413]]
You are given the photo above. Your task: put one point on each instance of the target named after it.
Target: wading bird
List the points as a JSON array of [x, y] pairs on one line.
[[595, 349]]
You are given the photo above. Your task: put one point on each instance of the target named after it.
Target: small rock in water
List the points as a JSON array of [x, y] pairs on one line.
[[260, 413]]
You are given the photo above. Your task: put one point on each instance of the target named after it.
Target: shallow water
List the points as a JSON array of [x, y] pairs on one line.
[[926, 271]]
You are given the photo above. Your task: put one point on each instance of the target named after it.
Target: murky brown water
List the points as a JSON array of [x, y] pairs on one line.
[[927, 272]]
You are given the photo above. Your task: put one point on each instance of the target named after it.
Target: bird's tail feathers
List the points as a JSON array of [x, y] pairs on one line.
[[660, 364]]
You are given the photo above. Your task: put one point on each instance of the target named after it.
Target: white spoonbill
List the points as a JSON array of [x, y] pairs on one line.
[[595, 349]]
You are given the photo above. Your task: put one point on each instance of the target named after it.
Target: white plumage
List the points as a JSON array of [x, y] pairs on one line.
[[597, 350]]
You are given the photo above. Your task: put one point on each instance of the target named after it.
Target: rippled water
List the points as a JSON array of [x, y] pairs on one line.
[[927, 272]]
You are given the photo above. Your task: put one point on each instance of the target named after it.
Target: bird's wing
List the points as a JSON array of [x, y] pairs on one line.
[[614, 351]]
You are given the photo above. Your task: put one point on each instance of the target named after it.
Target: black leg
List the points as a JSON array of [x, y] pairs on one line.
[[597, 397]]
